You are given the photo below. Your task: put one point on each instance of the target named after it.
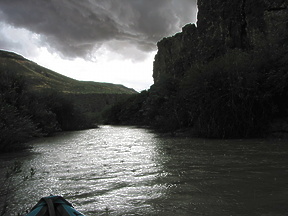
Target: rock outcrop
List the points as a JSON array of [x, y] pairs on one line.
[[226, 77], [221, 25]]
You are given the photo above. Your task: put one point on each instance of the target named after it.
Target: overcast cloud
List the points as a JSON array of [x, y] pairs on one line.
[[78, 28]]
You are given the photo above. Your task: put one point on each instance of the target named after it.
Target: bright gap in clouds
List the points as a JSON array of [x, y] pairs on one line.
[[136, 75], [103, 41], [105, 66]]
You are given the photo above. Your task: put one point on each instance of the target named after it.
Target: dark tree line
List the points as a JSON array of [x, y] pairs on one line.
[[28, 114]]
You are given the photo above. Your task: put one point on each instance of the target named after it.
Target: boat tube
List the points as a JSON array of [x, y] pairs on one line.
[[53, 206]]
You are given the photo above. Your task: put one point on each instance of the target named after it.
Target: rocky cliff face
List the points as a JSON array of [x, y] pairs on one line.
[[222, 25]]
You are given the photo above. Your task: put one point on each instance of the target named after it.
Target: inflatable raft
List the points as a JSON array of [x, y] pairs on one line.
[[53, 206]]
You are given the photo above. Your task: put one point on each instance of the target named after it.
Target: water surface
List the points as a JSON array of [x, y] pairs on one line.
[[131, 171]]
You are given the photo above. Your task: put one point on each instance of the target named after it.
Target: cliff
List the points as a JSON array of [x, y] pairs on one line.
[[222, 25], [226, 77]]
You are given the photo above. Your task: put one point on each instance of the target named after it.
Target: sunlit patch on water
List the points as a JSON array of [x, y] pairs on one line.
[[131, 171]]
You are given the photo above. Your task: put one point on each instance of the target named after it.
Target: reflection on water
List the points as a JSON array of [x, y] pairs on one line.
[[129, 171]]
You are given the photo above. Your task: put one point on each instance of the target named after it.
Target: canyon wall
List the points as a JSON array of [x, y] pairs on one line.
[[221, 25]]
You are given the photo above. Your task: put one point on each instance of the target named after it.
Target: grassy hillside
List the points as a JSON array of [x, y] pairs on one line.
[[41, 78], [35, 101]]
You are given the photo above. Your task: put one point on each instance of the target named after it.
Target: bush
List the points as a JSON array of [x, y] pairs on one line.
[[227, 97], [25, 114], [14, 177], [15, 126], [128, 111]]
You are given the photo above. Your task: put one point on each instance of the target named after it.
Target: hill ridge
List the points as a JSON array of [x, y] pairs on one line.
[[40, 77]]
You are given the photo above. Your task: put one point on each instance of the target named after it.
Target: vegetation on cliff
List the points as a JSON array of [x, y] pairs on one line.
[[225, 77], [238, 94]]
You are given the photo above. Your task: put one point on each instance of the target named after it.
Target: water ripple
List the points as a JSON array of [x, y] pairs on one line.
[[130, 171]]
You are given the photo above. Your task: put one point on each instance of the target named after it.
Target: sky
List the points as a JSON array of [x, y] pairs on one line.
[[111, 41]]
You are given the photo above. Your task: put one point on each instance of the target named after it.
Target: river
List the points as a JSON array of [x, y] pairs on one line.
[[132, 171]]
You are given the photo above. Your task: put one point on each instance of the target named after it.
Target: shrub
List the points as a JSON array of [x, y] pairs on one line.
[[225, 96]]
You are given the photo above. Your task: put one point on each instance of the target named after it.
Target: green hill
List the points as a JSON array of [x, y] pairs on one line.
[[36, 101], [41, 78]]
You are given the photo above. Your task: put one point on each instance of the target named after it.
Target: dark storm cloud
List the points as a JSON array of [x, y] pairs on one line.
[[74, 28]]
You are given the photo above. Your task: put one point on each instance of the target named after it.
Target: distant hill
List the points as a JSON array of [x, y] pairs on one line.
[[36, 101], [41, 78], [90, 97]]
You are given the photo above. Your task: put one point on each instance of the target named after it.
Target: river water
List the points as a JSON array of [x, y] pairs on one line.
[[132, 171]]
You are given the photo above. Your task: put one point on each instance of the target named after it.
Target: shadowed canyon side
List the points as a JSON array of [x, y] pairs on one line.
[[35, 101], [224, 77], [221, 26]]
